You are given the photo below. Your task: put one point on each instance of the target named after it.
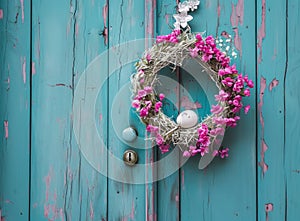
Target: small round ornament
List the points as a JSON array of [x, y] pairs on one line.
[[187, 119]]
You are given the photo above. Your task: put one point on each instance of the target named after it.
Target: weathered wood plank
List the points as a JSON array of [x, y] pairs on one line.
[[271, 67], [14, 109], [126, 201], [168, 191], [67, 36], [226, 189], [292, 110]]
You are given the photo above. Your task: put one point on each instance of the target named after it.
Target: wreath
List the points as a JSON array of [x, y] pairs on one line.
[[171, 50]]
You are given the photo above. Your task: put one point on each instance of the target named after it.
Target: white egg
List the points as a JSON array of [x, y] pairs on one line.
[[187, 119], [129, 134]]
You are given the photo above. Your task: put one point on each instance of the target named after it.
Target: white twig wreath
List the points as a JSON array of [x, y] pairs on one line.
[[192, 137]]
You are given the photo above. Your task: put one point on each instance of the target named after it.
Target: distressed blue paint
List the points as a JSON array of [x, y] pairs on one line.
[[272, 60], [14, 109], [68, 187], [66, 36]]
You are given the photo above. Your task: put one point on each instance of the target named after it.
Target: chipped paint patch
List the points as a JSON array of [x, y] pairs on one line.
[[6, 129], [219, 9], [236, 18], [1, 13], [22, 9], [274, 83], [262, 30], [264, 146], [33, 71], [167, 18], [104, 15], [91, 211], [268, 208], [23, 61]]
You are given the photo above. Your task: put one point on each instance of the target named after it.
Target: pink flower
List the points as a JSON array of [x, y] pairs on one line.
[[216, 109], [164, 148], [148, 57], [247, 92], [248, 82], [159, 139], [135, 104], [158, 105], [194, 52], [217, 131], [186, 154], [148, 89], [142, 93], [203, 151], [219, 120], [161, 96], [215, 153], [148, 104], [151, 128], [199, 37], [224, 153], [222, 96], [228, 81], [228, 70], [206, 57], [144, 112], [246, 109]]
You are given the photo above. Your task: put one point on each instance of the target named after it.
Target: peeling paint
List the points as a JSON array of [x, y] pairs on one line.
[[91, 211], [262, 163], [47, 180], [219, 10], [23, 61], [22, 9], [268, 208], [1, 13], [262, 30], [264, 146], [6, 128], [186, 103], [33, 71], [236, 18], [150, 6], [274, 83], [167, 18], [104, 15], [132, 211]]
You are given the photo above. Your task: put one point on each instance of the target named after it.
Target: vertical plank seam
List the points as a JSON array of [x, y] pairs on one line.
[[256, 114], [284, 105], [107, 107], [30, 107]]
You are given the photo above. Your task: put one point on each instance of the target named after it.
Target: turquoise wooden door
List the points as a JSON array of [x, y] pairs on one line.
[[53, 166]]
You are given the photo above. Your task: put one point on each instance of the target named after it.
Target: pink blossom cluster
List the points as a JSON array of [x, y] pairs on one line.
[[172, 38], [236, 86], [223, 153], [208, 49], [202, 144], [163, 146], [144, 104]]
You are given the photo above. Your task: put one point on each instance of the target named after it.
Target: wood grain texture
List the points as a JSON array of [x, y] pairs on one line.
[[65, 39], [292, 106], [271, 68], [126, 201], [14, 109], [38, 80], [168, 189], [226, 189]]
